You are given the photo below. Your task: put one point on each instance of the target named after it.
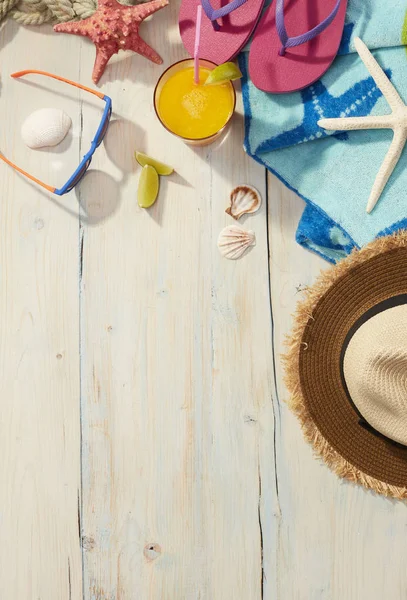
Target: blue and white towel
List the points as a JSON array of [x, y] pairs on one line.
[[334, 173]]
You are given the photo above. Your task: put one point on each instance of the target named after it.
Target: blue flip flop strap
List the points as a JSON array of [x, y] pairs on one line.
[[213, 14], [290, 42]]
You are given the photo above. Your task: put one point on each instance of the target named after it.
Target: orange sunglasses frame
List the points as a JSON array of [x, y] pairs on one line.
[[77, 85]]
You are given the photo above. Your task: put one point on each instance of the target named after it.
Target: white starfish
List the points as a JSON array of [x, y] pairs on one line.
[[396, 120]]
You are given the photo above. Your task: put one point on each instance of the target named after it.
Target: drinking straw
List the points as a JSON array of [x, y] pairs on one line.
[[197, 40]]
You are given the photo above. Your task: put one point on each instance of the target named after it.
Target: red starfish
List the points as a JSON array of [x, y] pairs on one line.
[[114, 27]]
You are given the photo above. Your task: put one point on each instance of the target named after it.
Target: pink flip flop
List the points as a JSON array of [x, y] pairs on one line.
[[225, 28], [295, 43]]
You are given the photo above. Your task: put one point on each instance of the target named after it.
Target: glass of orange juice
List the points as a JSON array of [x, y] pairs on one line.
[[196, 113]]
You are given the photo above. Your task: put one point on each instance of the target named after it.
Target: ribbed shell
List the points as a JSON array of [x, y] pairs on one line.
[[233, 241], [244, 199], [45, 127]]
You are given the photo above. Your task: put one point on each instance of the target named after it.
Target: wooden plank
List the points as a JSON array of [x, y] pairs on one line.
[[40, 555], [176, 361], [332, 534]]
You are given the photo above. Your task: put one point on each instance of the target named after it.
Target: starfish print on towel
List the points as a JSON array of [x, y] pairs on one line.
[[344, 48], [320, 104]]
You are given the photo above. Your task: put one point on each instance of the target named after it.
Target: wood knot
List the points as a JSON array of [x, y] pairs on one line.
[[152, 551], [88, 543], [59, 356], [38, 223]]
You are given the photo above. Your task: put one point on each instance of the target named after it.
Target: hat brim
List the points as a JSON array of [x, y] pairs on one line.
[[332, 306]]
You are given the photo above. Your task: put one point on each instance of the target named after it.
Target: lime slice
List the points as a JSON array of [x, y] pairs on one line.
[[226, 72], [148, 187], [160, 167]]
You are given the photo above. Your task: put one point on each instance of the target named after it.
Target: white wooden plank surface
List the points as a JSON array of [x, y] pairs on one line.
[[140, 372], [40, 554], [176, 367], [335, 539]]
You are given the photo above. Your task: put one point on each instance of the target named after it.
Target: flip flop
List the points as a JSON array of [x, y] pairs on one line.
[[295, 43], [225, 28]]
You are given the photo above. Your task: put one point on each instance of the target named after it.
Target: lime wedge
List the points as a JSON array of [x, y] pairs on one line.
[[226, 72], [148, 187], [160, 167]]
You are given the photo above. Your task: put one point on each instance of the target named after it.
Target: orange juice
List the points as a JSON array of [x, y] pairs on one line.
[[193, 111]]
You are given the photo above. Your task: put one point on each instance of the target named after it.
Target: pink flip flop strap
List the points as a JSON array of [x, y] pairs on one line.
[[290, 42], [214, 14]]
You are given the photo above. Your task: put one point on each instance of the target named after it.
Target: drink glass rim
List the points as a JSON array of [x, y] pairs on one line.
[[181, 137]]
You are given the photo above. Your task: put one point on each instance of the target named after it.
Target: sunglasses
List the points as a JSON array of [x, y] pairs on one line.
[[97, 140]]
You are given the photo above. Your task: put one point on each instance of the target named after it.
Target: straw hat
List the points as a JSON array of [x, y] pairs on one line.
[[346, 367]]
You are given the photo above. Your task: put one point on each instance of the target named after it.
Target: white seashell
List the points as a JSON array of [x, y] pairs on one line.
[[244, 199], [233, 241], [45, 127]]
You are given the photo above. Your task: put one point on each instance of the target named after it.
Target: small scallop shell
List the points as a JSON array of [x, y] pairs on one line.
[[244, 199], [45, 127], [233, 241]]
